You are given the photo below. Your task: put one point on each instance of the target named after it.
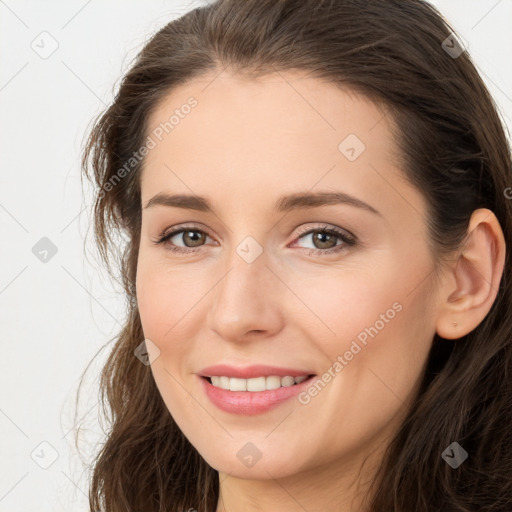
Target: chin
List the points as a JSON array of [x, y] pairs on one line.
[[240, 465]]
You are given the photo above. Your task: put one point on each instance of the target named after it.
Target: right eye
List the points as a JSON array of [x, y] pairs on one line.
[[194, 235]]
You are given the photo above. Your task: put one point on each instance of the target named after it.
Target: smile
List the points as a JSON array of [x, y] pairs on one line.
[[248, 397], [255, 384]]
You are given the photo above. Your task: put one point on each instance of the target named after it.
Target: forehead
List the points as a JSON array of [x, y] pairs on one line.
[[285, 131], [287, 105]]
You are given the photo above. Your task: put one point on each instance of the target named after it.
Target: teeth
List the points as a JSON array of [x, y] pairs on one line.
[[237, 384], [257, 383]]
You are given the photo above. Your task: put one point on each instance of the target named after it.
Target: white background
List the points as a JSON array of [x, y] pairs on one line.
[[55, 316]]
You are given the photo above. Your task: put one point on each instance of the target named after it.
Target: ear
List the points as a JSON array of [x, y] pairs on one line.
[[471, 286]]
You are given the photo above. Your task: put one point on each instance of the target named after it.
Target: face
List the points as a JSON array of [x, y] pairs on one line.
[[337, 287]]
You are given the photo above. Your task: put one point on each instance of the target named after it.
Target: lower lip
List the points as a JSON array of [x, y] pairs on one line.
[[248, 403]]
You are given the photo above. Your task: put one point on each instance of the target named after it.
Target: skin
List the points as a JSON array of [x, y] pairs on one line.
[[244, 145]]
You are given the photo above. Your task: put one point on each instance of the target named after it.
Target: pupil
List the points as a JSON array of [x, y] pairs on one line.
[[197, 241], [321, 235]]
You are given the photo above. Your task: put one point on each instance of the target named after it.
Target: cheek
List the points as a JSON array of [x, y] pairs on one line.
[[163, 299], [165, 296], [376, 331], [151, 301], [171, 304], [351, 306], [375, 361]]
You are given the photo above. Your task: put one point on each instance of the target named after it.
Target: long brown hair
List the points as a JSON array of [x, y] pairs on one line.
[[453, 148]]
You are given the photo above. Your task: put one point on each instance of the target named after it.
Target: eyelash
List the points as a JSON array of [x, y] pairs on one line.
[[348, 240]]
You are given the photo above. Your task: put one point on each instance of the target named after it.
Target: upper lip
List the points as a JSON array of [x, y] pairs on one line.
[[249, 372]]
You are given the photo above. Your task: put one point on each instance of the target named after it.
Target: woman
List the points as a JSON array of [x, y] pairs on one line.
[[314, 202]]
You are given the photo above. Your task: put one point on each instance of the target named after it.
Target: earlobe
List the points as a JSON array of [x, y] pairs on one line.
[[472, 284]]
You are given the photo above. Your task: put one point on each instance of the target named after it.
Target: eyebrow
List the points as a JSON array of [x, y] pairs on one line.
[[284, 203]]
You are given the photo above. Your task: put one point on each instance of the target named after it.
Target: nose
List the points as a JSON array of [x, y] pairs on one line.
[[247, 300]]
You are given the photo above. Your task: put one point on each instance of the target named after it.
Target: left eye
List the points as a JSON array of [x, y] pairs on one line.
[[325, 239]]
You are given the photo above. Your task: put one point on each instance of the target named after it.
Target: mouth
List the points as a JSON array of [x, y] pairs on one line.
[[255, 384], [246, 398]]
